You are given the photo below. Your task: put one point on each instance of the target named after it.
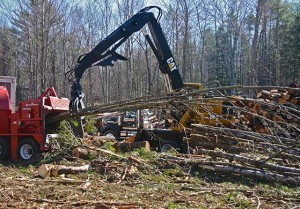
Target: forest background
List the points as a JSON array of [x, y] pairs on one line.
[[214, 42]]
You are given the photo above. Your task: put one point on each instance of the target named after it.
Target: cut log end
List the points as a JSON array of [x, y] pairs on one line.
[[44, 170]]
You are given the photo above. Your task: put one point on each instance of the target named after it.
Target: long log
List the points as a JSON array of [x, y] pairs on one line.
[[232, 149], [261, 174], [242, 147], [231, 169], [243, 134], [242, 159], [48, 170], [262, 141], [215, 138]]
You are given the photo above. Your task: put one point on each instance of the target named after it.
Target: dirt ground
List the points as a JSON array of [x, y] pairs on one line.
[[118, 183]]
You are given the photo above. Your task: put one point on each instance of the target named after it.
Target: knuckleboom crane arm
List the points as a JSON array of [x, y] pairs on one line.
[[105, 53]]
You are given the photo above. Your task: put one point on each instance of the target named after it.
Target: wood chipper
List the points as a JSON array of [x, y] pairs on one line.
[[23, 131]]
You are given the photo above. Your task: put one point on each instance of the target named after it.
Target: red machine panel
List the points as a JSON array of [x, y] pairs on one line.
[[23, 132], [4, 111]]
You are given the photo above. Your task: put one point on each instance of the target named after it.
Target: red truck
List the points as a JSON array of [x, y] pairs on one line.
[[23, 131]]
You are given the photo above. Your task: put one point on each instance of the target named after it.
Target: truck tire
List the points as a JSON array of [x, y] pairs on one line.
[[27, 149], [4, 149], [110, 133], [167, 146]]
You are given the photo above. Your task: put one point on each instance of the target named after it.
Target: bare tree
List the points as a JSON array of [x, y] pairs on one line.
[[259, 11]]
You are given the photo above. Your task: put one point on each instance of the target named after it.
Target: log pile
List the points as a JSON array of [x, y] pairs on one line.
[[275, 112], [281, 96]]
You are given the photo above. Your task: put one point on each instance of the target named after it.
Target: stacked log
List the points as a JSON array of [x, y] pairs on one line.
[[281, 96], [273, 112]]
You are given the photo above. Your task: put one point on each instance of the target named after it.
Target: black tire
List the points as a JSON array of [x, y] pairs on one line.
[[27, 149], [111, 133], [169, 146], [4, 149]]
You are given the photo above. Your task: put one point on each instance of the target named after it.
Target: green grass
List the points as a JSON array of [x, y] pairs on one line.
[[90, 127], [143, 153]]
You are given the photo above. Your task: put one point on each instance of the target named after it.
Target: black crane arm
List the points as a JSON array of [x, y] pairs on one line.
[[105, 53]]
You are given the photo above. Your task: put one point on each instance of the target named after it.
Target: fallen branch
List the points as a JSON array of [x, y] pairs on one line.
[[101, 204], [228, 147]]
